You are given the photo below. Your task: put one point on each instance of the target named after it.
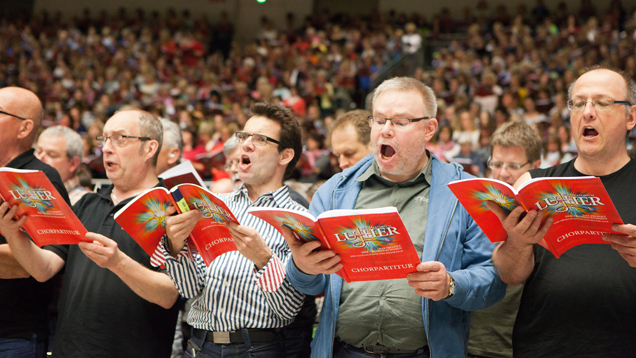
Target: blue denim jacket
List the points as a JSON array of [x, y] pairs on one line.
[[451, 237]]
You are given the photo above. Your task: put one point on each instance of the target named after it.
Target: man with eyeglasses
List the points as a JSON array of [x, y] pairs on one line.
[[24, 302], [515, 148], [581, 304], [426, 313], [243, 300], [113, 302]]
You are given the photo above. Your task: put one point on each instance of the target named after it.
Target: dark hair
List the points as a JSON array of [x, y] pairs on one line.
[[290, 136]]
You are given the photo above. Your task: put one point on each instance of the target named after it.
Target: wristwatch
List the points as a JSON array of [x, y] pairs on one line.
[[451, 287]]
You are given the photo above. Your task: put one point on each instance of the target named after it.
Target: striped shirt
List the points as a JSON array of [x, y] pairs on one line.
[[232, 294]]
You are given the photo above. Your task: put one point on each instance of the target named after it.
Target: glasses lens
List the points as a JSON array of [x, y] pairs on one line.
[[603, 103], [241, 136], [400, 122], [259, 139], [100, 140]]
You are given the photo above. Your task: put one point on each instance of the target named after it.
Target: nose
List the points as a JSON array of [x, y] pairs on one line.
[[589, 110], [388, 129], [343, 162]]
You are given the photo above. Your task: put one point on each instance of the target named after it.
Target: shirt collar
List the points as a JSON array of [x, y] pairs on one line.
[[71, 184], [280, 195], [21, 160], [374, 169]]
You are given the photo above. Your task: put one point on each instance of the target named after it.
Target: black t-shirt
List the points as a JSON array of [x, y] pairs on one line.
[[584, 303], [24, 302], [100, 316]]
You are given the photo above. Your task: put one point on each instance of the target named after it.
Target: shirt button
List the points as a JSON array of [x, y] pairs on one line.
[[225, 283], [221, 309]]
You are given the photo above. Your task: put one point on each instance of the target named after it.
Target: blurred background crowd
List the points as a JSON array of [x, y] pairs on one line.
[[490, 66]]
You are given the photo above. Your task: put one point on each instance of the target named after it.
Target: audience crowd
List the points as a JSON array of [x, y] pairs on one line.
[[490, 66]]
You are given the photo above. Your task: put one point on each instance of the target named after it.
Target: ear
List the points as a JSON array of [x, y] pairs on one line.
[[26, 127], [151, 149], [286, 156], [631, 120], [431, 128], [536, 164], [173, 156], [75, 163]]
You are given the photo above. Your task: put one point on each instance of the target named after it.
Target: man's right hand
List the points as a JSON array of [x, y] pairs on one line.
[[179, 227], [308, 258], [522, 232], [8, 225]]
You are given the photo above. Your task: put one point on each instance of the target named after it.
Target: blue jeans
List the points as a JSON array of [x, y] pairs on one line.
[[342, 350], [22, 348], [198, 348]]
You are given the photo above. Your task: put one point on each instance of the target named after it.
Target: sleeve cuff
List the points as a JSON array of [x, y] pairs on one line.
[[270, 277], [161, 254]]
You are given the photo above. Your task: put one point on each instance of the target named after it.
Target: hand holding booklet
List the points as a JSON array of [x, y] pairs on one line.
[[580, 208], [50, 221], [373, 244], [144, 219]]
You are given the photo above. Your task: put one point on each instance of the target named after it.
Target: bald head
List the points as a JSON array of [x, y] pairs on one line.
[[20, 122]]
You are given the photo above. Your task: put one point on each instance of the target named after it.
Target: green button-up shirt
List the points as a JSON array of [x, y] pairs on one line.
[[388, 312]]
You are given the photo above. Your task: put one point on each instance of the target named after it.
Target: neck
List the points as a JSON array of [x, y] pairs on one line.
[[123, 191], [397, 178], [600, 166]]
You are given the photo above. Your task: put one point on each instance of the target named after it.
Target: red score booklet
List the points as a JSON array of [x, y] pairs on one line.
[[373, 244], [580, 207], [50, 221], [143, 218]]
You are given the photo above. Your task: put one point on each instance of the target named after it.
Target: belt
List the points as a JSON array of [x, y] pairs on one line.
[[255, 334], [380, 349]]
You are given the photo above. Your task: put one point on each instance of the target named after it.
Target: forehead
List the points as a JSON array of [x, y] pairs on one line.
[[122, 123], [509, 154], [394, 103], [57, 143], [600, 83], [262, 125]]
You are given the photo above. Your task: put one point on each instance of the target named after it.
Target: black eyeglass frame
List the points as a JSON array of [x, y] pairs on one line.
[[103, 138], [13, 115], [570, 104], [268, 139], [411, 120], [489, 162]]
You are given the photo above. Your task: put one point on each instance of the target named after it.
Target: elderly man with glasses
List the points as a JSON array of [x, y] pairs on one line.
[[244, 299], [581, 304], [113, 302], [24, 302], [426, 313], [515, 148]]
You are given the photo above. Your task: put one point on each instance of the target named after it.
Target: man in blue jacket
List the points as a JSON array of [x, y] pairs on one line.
[[426, 314]]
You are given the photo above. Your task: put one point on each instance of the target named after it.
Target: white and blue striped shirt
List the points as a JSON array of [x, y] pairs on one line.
[[230, 294]]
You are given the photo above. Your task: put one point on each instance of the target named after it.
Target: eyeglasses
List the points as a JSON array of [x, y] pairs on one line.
[[509, 166], [257, 139], [230, 164], [119, 140], [12, 115], [601, 104], [398, 123]]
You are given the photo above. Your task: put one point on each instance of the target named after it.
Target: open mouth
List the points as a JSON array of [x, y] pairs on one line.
[[589, 132], [387, 151], [109, 164]]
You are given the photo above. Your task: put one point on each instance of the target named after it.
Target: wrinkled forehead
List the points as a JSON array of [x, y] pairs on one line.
[[122, 123]]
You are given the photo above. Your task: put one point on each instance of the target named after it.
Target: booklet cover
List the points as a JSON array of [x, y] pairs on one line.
[[580, 207], [144, 219], [181, 174], [50, 221], [373, 244]]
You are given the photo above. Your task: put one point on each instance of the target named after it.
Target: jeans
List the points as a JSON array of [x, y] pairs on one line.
[[198, 348], [22, 348], [342, 350]]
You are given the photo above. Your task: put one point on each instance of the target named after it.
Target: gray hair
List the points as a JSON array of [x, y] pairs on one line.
[[150, 127], [630, 85], [410, 84], [74, 144], [172, 135], [230, 145]]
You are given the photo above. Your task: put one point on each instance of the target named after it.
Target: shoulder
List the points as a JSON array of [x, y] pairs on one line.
[[559, 170]]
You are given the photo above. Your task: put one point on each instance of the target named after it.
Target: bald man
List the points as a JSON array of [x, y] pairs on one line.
[[24, 326]]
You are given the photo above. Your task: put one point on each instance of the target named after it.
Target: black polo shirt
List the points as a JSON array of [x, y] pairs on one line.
[[24, 302], [100, 316]]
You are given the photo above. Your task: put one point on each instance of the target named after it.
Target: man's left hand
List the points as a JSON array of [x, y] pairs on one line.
[[625, 245], [250, 244], [103, 251], [430, 281]]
